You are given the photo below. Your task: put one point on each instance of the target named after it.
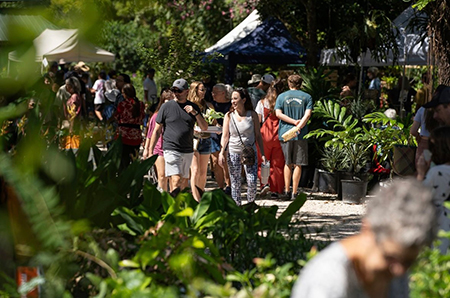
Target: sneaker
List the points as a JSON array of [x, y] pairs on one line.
[[274, 196], [294, 196], [286, 195], [265, 190], [227, 190]]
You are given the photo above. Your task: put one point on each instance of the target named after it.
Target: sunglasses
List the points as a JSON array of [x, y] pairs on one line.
[[177, 90]]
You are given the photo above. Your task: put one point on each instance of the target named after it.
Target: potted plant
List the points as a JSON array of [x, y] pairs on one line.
[[333, 161], [347, 134], [394, 142]]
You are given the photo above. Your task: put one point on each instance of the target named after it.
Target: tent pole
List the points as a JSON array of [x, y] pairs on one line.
[[231, 69], [403, 92], [361, 76]]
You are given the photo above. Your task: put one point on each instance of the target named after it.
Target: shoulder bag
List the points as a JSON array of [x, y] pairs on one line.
[[248, 153]]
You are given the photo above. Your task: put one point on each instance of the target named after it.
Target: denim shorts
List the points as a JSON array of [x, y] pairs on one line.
[[204, 146], [215, 144]]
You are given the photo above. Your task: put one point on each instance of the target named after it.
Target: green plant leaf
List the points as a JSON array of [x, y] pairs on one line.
[[128, 264], [286, 216]]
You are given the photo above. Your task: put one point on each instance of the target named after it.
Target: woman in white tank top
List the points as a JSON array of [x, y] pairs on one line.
[[241, 127]]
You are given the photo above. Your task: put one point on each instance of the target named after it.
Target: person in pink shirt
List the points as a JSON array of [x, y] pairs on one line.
[[166, 95]]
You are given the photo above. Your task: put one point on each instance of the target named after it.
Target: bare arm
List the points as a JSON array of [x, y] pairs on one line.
[[146, 153], [201, 121], [198, 117], [258, 136], [304, 119], [225, 138], [155, 137], [279, 113], [415, 129]]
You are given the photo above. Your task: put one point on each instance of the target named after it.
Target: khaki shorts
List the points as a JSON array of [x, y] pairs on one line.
[[177, 163], [295, 152]]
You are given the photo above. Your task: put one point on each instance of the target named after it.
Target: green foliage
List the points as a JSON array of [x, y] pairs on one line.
[[124, 40], [388, 133], [359, 107], [430, 276], [334, 159], [99, 187], [359, 25], [183, 246], [343, 132], [316, 82]]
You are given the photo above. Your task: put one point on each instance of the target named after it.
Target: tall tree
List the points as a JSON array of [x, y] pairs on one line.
[[438, 12], [359, 25], [125, 26]]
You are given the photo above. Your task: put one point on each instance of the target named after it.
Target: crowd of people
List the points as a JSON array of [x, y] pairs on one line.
[[266, 123], [185, 143], [172, 126]]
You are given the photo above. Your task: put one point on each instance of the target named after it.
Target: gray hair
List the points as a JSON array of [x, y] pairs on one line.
[[373, 70], [404, 213], [221, 87], [226, 88], [75, 83]]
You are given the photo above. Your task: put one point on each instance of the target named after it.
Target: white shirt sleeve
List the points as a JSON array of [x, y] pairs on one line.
[[260, 109]]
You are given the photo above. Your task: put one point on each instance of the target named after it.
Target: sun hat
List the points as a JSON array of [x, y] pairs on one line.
[[81, 65], [256, 78]]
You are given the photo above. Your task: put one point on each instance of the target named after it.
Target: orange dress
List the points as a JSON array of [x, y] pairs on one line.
[[272, 149]]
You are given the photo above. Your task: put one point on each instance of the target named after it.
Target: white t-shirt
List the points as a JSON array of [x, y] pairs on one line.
[[99, 86], [150, 86], [260, 108], [437, 179], [420, 117], [330, 274]]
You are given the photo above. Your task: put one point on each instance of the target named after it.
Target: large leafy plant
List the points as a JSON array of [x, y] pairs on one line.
[[344, 132], [388, 133]]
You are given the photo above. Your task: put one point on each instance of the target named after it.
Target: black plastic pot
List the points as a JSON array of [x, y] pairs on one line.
[[353, 191], [307, 178], [339, 177], [327, 182]]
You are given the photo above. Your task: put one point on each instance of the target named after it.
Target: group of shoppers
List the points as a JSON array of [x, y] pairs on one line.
[[186, 151]]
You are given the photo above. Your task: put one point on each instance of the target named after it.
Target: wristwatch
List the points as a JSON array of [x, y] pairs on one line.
[[196, 113]]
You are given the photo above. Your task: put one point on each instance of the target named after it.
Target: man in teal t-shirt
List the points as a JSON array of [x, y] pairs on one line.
[[293, 108]]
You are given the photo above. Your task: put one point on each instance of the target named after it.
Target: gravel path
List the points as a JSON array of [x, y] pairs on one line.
[[323, 216]]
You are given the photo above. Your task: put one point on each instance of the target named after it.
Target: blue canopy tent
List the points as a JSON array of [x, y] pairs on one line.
[[257, 42]]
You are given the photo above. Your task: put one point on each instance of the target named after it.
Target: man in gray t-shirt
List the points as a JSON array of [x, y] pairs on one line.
[[177, 117], [400, 221]]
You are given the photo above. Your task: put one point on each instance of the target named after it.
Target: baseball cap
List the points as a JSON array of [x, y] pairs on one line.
[[442, 98], [267, 78], [181, 84]]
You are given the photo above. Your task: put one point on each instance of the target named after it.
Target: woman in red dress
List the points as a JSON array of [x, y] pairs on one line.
[[129, 116], [269, 133]]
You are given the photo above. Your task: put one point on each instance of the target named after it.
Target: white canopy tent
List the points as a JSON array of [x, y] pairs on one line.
[[412, 50], [65, 44], [239, 32]]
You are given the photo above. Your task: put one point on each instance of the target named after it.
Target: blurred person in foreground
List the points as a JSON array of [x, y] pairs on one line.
[[434, 171], [399, 222]]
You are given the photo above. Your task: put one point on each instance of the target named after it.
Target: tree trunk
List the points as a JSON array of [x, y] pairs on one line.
[[439, 13], [312, 50]]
